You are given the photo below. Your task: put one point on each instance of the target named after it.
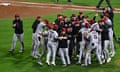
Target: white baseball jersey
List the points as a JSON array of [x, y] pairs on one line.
[[40, 27], [109, 22], [52, 35], [84, 30], [93, 36]]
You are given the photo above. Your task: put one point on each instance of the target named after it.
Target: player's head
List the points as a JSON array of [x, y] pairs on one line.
[[86, 17], [91, 21], [61, 20], [106, 16], [77, 23], [46, 21], [17, 16], [39, 18], [87, 25], [80, 12], [59, 16], [101, 22], [49, 26], [73, 16]]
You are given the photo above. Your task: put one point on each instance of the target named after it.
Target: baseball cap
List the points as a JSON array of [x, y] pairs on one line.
[[106, 14], [17, 15], [80, 12], [38, 17], [87, 25], [46, 21], [73, 15], [49, 26]]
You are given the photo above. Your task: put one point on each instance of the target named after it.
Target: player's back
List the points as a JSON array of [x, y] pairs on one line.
[[93, 36], [52, 35]]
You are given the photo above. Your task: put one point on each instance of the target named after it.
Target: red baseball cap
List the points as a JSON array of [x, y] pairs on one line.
[[91, 21], [46, 21], [106, 14], [87, 25], [38, 17], [58, 15], [73, 15], [80, 12], [77, 22], [65, 16], [17, 15], [86, 17], [49, 26]]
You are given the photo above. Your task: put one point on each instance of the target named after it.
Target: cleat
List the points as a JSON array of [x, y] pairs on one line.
[[84, 65], [48, 63], [78, 63], [101, 63], [38, 54], [108, 60], [21, 51], [113, 54], [102, 56], [53, 64], [64, 65], [89, 63], [40, 63], [36, 57], [103, 60]]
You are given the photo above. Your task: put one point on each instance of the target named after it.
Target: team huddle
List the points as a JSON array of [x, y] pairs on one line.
[[76, 36]]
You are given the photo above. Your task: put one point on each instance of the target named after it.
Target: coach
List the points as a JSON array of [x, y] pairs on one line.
[[18, 27]]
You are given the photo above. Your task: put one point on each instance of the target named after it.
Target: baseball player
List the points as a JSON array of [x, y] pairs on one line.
[[18, 27], [105, 42], [64, 47], [95, 25], [77, 35], [45, 41], [80, 16], [38, 37], [93, 45], [109, 23], [84, 31], [34, 27], [111, 17], [51, 45], [73, 19]]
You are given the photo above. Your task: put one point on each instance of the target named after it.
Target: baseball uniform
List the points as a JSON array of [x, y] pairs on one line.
[[64, 52], [38, 37], [52, 46]]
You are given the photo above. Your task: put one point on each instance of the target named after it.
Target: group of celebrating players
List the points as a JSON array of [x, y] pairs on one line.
[[66, 38]]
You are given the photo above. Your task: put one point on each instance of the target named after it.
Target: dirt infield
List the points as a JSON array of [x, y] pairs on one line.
[[10, 11], [28, 9]]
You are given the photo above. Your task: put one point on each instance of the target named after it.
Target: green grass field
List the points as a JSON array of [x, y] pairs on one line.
[[24, 63], [115, 3]]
